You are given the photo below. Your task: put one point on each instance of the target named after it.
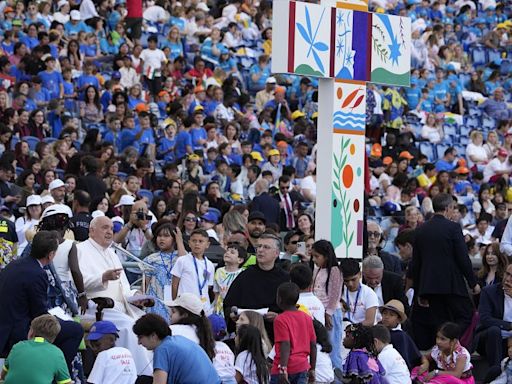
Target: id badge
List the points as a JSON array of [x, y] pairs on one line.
[[203, 299], [167, 292]]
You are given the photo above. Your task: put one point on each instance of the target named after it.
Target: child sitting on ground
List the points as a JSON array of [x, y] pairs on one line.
[[37, 360], [113, 365], [506, 367]]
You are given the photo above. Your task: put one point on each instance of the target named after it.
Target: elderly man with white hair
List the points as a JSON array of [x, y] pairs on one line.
[[375, 240], [104, 276]]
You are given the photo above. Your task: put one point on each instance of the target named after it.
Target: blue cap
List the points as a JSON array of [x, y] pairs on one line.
[[211, 217], [224, 51], [449, 10], [116, 75], [218, 324], [100, 329]]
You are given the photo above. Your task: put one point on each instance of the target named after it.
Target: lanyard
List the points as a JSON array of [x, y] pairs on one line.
[[355, 304], [205, 275], [167, 271]]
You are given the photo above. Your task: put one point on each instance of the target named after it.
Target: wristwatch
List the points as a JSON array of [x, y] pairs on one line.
[[436, 372]]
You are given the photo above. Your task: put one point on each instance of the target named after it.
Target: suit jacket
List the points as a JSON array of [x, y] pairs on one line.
[[23, 297], [393, 288], [440, 261], [267, 205], [92, 184], [294, 197], [491, 308], [391, 262]]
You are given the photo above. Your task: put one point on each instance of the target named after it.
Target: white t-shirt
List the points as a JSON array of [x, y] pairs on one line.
[[493, 167], [155, 14], [431, 134], [394, 365], [324, 372], [224, 361], [314, 305], [113, 366], [477, 151], [245, 365], [190, 280], [309, 183], [153, 58], [359, 303], [22, 226], [186, 330]]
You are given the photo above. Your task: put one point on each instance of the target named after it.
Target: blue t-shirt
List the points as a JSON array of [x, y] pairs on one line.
[[412, 96], [184, 361], [183, 139], [52, 82], [260, 83], [163, 150], [198, 134]]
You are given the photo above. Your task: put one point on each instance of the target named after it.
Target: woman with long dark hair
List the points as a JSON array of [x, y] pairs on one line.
[[250, 364], [327, 283], [494, 263], [91, 111]]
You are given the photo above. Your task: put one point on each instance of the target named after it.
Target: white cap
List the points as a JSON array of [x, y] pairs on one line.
[[126, 200], [33, 200], [203, 7], [47, 199], [271, 80], [61, 3], [57, 183], [97, 213], [75, 15], [118, 219], [189, 301], [56, 209]]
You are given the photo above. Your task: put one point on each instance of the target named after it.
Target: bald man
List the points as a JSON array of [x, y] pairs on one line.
[[104, 276]]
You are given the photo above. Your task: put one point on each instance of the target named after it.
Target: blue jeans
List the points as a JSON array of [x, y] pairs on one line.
[[296, 378], [335, 335]]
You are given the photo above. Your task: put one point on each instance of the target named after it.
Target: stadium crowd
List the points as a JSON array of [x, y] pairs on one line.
[[157, 202]]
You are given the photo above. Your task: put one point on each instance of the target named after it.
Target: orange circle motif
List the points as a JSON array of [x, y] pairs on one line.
[[347, 176], [352, 149], [339, 93]]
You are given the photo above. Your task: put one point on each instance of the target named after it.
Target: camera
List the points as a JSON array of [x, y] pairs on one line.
[[142, 216]]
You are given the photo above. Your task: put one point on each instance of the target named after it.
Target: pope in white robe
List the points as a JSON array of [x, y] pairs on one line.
[[104, 276]]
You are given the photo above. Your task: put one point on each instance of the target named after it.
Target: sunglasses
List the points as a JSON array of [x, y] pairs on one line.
[[233, 243], [190, 219]]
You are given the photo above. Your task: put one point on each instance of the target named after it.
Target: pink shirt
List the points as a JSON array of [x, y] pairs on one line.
[[331, 301]]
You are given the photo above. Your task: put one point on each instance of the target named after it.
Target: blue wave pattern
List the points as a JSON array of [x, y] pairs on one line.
[[350, 121]]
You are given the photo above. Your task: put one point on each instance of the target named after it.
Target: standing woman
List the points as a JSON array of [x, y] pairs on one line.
[[28, 222], [91, 111], [327, 284]]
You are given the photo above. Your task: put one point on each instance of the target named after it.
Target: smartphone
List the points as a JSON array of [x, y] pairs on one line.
[[301, 247]]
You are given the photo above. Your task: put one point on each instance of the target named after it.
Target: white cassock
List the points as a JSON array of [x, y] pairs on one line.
[[93, 261]]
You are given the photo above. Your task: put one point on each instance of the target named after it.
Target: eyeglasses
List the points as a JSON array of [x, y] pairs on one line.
[[190, 219], [265, 247], [373, 234], [233, 243], [294, 242]]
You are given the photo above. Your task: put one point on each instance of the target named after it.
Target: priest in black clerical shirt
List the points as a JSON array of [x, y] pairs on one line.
[[256, 287]]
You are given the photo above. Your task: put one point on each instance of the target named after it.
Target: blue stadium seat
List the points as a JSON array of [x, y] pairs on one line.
[[461, 149], [14, 140], [478, 55], [506, 67], [474, 111], [450, 129], [147, 194], [440, 148], [472, 122], [463, 140], [32, 142], [49, 140], [19, 170], [158, 192], [488, 123], [493, 54], [464, 131], [427, 149], [122, 175], [60, 173]]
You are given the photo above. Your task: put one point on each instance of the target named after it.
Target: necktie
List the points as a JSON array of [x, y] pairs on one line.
[[288, 212]]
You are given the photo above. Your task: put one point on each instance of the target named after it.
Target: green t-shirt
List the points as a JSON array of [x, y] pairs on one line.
[[36, 361]]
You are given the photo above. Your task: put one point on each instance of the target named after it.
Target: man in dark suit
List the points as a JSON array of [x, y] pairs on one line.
[[265, 203], [495, 320], [387, 285], [288, 200], [90, 182], [23, 297], [440, 269]]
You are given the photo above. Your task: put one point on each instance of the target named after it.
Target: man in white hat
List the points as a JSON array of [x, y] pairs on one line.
[[27, 222], [266, 94], [104, 276], [75, 25], [57, 190], [62, 16]]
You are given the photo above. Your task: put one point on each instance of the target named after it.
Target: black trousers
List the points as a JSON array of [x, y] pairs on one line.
[[441, 309], [490, 344], [69, 339]]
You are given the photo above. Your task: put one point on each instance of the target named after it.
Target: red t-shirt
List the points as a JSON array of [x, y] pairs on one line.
[[134, 8], [297, 328]]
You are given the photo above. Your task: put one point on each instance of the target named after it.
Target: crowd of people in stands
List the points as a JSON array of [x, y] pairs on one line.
[[157, 201]]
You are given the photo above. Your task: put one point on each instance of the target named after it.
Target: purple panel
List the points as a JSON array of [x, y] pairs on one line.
[[360, 44]]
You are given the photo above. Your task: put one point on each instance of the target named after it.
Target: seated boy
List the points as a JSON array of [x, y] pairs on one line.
[[113, 365], [392, 317], [392, 362], [37, 360]]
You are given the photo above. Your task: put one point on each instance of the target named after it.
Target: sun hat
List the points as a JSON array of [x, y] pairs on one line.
[[33, 200], [397, 307], [57, 183], [125, 200], [188, 301]]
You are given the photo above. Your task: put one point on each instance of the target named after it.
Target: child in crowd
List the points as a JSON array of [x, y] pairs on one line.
[[165, 149], [360, 301], [159, 265], [255, 319], [506, 367], [361, 365], [302, 275], [251, 365], [396, 371], [113, 365], [37, 360], [234, 258], [295, 340], [327, 283], [224, 360], [452, 360], [188, 320], [392, 318], [324, 373], [194, 272]]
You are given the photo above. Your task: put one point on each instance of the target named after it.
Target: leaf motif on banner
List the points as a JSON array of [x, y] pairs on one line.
[[303, 32], [350, 97], [358, 101], [310, 38]]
